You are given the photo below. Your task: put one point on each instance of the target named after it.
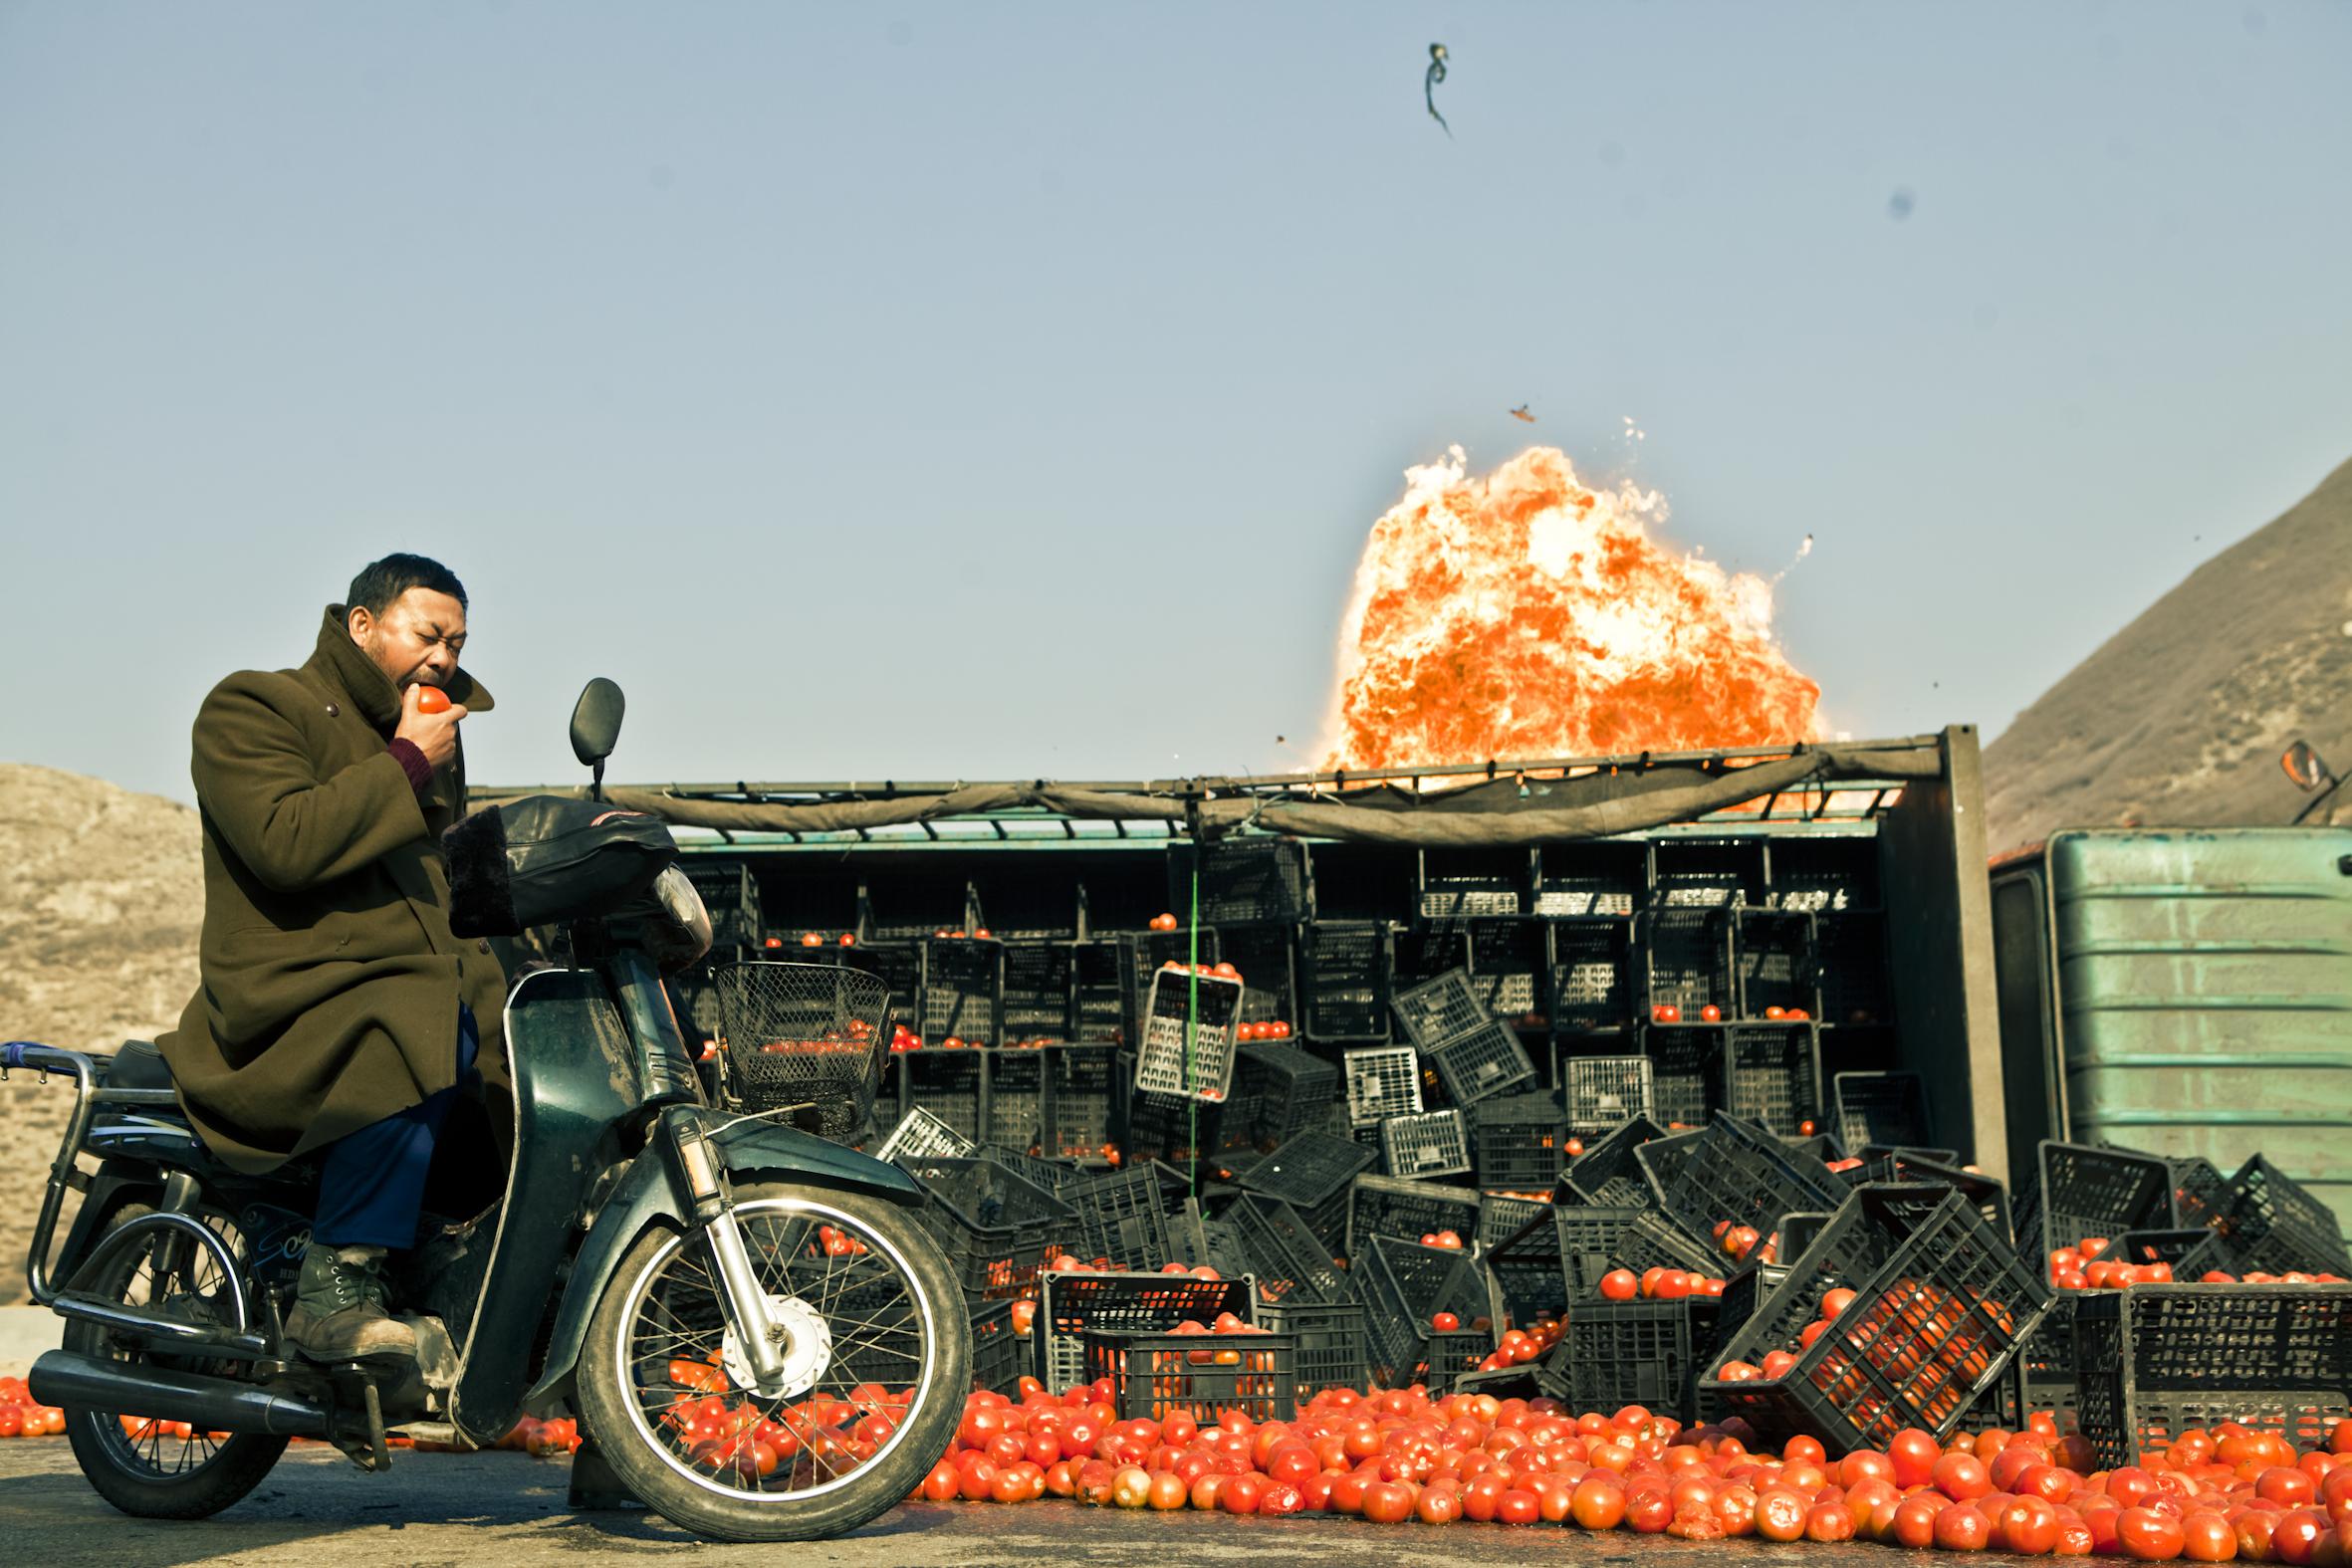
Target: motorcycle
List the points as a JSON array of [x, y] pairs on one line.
[[758, 1336]]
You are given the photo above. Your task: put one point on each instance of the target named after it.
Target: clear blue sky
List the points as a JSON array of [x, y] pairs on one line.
[[1005, 390]]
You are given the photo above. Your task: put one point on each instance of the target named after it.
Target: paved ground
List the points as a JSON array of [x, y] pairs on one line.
[[317, 1511]]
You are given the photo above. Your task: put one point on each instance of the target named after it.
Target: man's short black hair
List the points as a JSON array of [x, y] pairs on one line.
[[379, 582]]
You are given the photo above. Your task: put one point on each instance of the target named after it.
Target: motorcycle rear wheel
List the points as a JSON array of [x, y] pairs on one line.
[[147, 1471], [883, 1396]]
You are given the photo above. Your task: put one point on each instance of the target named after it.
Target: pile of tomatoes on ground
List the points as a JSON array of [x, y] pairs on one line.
[[1400, 1456], [22, 1416], [2085, 1267]]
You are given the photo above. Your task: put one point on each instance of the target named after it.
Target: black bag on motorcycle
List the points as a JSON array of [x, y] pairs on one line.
[[545, 859]]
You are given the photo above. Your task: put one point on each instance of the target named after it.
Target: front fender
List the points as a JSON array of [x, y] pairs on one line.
[[648, 1196]]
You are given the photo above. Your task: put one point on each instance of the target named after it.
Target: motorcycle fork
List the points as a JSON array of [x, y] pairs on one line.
[[740, 1296]]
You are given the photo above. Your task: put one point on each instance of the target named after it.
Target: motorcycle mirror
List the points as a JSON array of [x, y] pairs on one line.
[[595, 722], [2303, 765]]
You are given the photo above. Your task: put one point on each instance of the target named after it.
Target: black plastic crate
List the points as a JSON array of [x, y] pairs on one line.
[[1290, 1262], [1502, 1217], [2276, 1225], [1601, 1091], [1651, 1241], [731, 895], [1851, 969], [1589, 881], [1168, 1127], [1888, 1108], [1607, 1172], [2081, 1190], [1191, 1029], [1470, 884], [1450, 1355], [2156, 1360], [1518, 1141], [1040, 991], [1013, 1112], [1589, 989], [1441, 1009], [1486, 1061], [1267, 958], [1942, 1307], [1154, 1375], [2200, 1194], [1344, 982], [947, 1083], [1395, 1206], [1053, 1175], [1403, 1287], [1278, 1091], [1685, 956], [1242, 879], [1586, 1240], [1733, 1171], [1990, 1196], [1123, 1216], [992, 1223], [1507, 967], [1773, 963], [1312, 1173], [1070, 1304], [1686, 1072], [2189, 1252], [1420, 954], [1381, 1081], [1772, 1076], [1082, 1086], [1328, 1339], [1648, 1353], [998, 1361], [1425, 1144], [919, 1135], [1661, 1159], [963, 990], [1096, 992]]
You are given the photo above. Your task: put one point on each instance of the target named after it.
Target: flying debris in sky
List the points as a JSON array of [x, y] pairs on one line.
[[1437, 74], [1521, 415]]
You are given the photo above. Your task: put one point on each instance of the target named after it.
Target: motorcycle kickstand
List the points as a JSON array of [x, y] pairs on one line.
[[377, 1454]]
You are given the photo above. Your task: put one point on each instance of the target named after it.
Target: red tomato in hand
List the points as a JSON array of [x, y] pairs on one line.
[[431, 699]]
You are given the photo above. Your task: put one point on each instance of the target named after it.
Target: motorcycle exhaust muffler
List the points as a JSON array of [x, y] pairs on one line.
[[60, 1377]]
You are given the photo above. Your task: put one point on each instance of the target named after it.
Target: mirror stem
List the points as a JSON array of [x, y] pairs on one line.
[[596, 782]]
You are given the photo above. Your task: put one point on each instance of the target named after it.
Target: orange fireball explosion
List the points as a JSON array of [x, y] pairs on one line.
[[1527, 615]]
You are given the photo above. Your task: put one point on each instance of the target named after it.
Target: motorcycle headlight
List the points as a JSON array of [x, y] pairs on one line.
[[681, 933]]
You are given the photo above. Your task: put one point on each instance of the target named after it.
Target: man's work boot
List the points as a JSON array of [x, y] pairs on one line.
[[339, 1309]]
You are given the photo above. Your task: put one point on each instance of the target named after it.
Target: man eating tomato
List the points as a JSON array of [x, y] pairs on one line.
[[338, 1016]]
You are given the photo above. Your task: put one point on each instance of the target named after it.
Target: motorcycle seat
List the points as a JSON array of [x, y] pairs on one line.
[[139, 1065]]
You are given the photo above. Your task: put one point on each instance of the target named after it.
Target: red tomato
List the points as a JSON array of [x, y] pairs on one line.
[[1438, 1505], [2149, 1535], [1598, 1502], [1913, 1454], [2027, 1526], [431, 699], [1385, 1502], [1445, 1322], [1962, 1527], [1618, 1285], [1915, 1519], [1960, 1476], [2206, 1537], [1829, 1521]]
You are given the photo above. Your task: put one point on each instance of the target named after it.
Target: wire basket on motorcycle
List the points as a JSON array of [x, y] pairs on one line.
[[810, 1037]]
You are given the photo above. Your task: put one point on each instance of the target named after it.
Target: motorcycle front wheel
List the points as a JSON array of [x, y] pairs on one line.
[[878, 1360]]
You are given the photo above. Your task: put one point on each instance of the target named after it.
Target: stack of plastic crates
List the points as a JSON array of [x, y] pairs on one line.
[[2079, 1191], [1507, 963], [1080, 1089], [1040, 991], [1012, 1109], [962, 996], [1941, 1307], [1588, 987], [1241, 880], [1123, 1218], [1773, 1075], [948, 1084], [2156, 1359]]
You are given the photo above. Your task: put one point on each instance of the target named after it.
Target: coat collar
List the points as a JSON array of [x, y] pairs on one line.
[[339, 662]]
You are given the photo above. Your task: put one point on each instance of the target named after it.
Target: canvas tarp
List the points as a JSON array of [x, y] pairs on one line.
[[1508, 810]]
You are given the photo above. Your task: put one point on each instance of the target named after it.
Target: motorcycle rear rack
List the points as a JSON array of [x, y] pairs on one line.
[[64, 1174]]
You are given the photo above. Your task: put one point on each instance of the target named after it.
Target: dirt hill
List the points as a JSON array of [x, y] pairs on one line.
[[2180, 718], [100, 896]]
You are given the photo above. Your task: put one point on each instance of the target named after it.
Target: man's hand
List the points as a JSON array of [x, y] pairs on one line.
[[434, 734]]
